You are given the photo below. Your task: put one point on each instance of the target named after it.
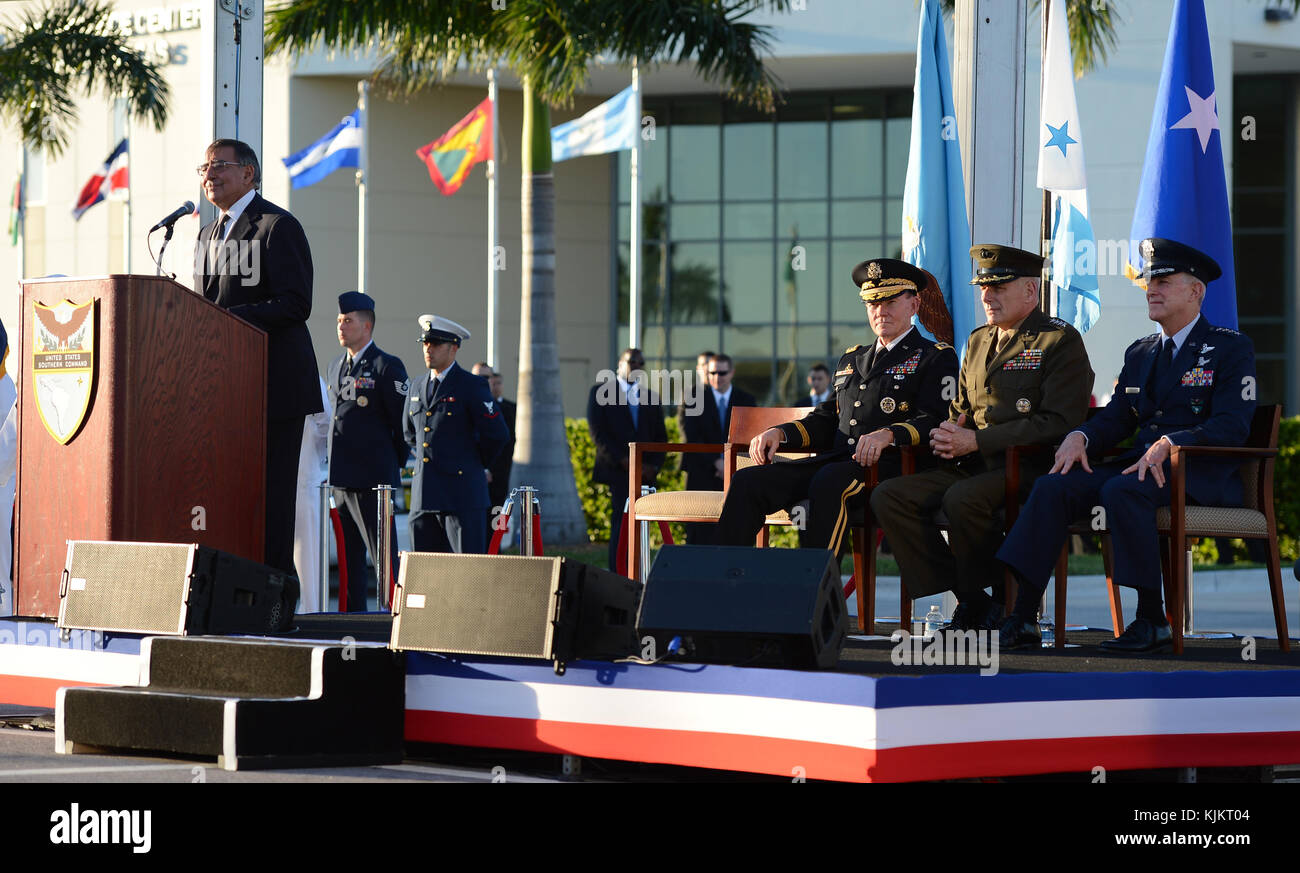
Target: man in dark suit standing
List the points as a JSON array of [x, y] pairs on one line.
[[367, 390], [819, 386], [499, 472], [709, 422], [255, 262], [457, 430], [620, 410], [1190, 384]]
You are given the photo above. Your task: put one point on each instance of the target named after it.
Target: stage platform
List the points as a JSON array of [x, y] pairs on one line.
[[871, 719]]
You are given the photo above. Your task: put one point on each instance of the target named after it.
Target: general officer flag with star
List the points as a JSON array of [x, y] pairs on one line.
[[1061, 171], [1184, 192]]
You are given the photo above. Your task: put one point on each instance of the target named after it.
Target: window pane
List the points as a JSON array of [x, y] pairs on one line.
[[894, 229], [857, 152], [802, 296], [802, 219], [694, 163], [749, 279], [747, 220], [857, 218], [750, 341], [846, 336], [687, 342], [755, 377], [1259, 274], [803, 341], [654, 342], [652, 286], [846, 305], [801, 159], [747, 161], [693, 288], [694, 222], [1268, 338], [898, 136], [1259, 209]]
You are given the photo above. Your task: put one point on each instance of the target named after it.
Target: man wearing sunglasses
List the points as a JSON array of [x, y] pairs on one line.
[[709, 422], [255, 262]]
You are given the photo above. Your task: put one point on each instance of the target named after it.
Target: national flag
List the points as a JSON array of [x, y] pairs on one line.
[[341, 147], [610, 127], [450, 156], [936, 232], [16, 211], [1061, 171], [112, 179], [1184, 191]]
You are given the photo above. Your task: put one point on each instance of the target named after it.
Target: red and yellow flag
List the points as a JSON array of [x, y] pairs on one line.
[[450, 156]]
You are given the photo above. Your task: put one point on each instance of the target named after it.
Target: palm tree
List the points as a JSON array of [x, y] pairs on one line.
[[549, 44], [70, 45]]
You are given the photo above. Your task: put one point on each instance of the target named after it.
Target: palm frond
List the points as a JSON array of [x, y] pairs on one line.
[[71, 46]]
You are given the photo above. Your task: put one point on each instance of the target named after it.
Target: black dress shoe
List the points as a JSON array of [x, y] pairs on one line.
[[1016, 633], [991, 619], [1141, 636], [961, 620]]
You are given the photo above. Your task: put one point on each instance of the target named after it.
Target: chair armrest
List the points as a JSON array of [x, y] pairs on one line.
[[1011, 497], [710, 448], [1243, 452]]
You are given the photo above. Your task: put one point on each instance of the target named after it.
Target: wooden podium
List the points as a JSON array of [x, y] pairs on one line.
[[142, 417]]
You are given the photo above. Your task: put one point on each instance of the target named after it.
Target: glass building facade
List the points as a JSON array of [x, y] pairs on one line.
[[752, 224]]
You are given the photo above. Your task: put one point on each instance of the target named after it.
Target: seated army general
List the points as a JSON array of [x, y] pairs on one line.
[[1183, 386], [888, 394], [1025, 380]]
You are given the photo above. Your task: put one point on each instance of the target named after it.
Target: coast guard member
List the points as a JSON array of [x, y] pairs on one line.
[[889, 394], [368, 390], [1187, 385], [1025, 380], [457, 430]]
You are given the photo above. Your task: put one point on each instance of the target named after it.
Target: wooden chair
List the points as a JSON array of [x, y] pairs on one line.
[[1178, 523], [704, 507]]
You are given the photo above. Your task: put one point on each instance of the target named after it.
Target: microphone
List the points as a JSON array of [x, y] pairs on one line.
[[184, 209]]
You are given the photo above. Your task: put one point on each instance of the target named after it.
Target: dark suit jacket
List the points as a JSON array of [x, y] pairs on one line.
[[455, 437], [701, 475], [499, 487], [611, 430], [263, 274], [1201, 401], [367, 446]]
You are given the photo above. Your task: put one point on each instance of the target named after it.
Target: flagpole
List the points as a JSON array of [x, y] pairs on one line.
[[1046, 304], [634, 224], [22, 211], [363, 185], [493, 339], [130, 190]]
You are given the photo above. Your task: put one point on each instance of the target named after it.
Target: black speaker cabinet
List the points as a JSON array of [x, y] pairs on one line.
[[550, 608], [172, 588], [747, 607]]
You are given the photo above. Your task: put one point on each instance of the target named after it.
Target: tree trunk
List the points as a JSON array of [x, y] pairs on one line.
[[541, 448]]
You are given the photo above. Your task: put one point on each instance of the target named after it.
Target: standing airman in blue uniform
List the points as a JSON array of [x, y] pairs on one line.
[[367, 389], [1191, 384], [457, 429]]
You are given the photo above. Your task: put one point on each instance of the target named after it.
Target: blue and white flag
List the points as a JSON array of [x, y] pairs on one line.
[[936, 232], [341, 147], [610, 127], [1184, 191], [1061, 171]]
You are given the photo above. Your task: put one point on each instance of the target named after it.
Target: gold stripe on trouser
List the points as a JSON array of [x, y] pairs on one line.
[[841, 522]]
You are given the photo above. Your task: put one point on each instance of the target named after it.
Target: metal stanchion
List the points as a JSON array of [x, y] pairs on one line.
[[528, 500], [323, 582], [645, 538], [384, 534]]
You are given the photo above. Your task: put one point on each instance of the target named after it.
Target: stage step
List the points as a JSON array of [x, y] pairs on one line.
[[251, 704]]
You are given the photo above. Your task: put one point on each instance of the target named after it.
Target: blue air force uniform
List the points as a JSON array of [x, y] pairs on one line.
[[1203, 395], [456, 429], [366, 446]]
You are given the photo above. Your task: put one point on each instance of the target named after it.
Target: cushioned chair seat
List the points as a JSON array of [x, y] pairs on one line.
[[1218, 521], [687, 506]]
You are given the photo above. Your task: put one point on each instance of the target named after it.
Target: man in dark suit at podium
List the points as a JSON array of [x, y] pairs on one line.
[[710, 425], [620, 410], [255, 262], [368, 388]]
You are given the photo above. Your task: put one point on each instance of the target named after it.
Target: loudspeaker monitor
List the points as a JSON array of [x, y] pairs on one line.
[[745, 606], [172, 588], [513, 606]]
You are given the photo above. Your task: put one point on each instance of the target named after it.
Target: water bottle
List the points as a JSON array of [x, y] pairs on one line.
[[933, 620]]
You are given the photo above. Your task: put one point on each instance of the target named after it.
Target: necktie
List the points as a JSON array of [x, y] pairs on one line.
[[722, 413], [220, 235], [1164, 361], [632, 404], [214, 245]]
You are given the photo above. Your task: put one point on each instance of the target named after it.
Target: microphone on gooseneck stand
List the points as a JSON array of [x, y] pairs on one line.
[[169, 222]]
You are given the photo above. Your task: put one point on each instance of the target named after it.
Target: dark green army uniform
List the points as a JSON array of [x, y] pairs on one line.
[[904, 389], [1034, 390]]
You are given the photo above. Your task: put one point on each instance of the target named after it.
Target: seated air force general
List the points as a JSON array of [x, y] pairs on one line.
[[891, 393], [1025, 379], [456, 429], [1184, 386], [276, 297], [367, 447]]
